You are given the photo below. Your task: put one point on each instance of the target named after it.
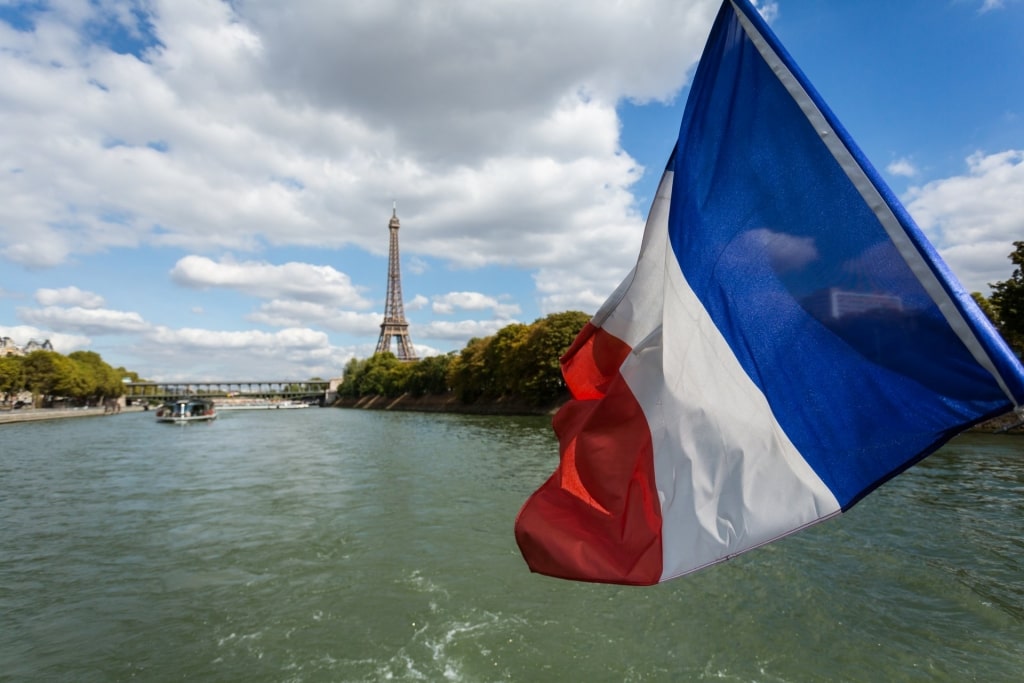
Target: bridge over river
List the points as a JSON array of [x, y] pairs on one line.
[[323, 391]]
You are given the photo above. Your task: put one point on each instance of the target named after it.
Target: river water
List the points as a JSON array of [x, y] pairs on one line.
[[344, 545]]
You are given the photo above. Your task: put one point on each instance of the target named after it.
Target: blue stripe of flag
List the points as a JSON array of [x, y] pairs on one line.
[[817, 277]]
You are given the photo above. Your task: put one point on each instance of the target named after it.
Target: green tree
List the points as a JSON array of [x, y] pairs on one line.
[[12, 376], [519, 361], [467, 373], [99, 381], [49, 374], [396, 380], [1008, 301], [350, 377], [380, 375], [500, 359], [538, 361], [430, 375], [374, 379]]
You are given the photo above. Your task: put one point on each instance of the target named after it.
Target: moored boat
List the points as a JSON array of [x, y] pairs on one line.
[[193, 409]]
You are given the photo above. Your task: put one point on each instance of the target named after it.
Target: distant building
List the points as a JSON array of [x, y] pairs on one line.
[[8, 347]]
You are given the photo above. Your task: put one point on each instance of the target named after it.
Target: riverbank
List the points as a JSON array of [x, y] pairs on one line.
[[1010, 423], [445, 403], [436, 403], [449, 403], [38, 414]]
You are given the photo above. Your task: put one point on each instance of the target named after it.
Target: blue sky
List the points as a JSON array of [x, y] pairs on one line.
[[199, 189]]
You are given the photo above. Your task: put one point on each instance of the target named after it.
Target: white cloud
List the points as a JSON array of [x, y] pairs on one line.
[[973, 219], [446, 304], [417, 265], [902, 167], [38, 248], [768, 9], [299, 281], [417, 303], [68, 296], [425, 351], [295, 353], [279, 313], [257, 124], [92, 321], [266, 342], [461, 331]]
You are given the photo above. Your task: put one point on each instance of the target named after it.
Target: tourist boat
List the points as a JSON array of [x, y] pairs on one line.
[[192, 409]]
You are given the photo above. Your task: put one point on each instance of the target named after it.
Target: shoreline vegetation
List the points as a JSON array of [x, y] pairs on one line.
[[447, 403], [515, 370], [46, 379], [450, 403]]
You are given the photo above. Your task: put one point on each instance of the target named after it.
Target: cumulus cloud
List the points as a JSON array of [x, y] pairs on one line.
[[425, 351], [68, 296], [493, 66], [417, 303], [92, 321], [461, 330], [767, 8], [294, 353], [280, 313], [446, 304], [973, 219], [222, 127], [267, 342], [902, 167], [417, 265], [298, 281], [252, 124]]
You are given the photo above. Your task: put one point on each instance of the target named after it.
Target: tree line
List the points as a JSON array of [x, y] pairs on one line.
[[520, 362], [82, 377]]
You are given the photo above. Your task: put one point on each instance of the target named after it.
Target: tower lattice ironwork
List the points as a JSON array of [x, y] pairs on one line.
[[394, 324]]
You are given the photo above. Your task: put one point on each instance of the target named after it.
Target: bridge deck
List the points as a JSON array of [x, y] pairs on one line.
[[241, 388]]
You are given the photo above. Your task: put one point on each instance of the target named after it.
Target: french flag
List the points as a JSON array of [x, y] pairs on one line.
[[787, 341]]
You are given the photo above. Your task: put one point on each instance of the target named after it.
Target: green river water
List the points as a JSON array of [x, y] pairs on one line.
[[344, 545]]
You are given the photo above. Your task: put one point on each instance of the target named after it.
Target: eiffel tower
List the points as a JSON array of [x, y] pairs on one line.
[[394, 324]]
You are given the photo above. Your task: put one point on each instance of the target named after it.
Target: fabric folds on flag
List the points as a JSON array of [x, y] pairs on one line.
[[787, 341]]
